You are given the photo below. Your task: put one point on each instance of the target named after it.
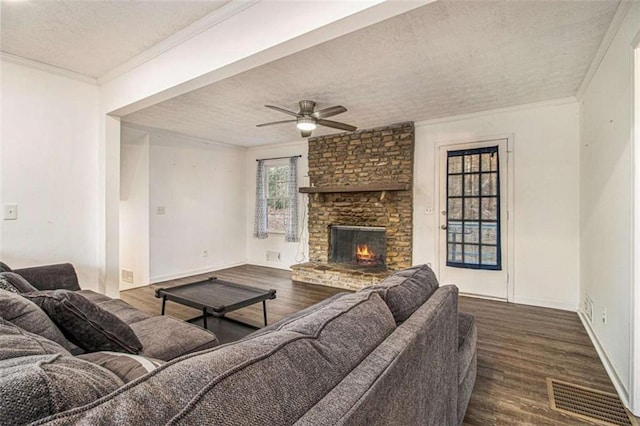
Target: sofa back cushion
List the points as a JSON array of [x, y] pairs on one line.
[[11, 279], [39, 378], [271, 378], [85, 323], [28, 316], [406, 290]]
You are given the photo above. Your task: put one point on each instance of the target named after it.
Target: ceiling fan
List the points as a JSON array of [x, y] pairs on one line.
[[306, 120]]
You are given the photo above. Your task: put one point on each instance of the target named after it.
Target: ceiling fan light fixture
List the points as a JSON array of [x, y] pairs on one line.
[[306, 123]]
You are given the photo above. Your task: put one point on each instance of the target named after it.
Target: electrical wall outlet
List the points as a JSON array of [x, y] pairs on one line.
[[205, 253], [588, 308], [273, 256], [604, 315], [127, 276], [10, 212]]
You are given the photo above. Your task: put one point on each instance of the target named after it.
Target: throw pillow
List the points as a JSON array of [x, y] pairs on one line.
[[85, 323], [16, 342], [406, 290], [29, 317], [37, 386], [126, 366], [4, 267], [11, 279]]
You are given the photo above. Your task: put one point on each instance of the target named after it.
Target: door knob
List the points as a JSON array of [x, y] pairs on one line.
[[443, 227]]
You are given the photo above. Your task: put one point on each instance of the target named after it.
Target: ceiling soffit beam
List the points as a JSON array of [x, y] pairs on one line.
[[231, 49]]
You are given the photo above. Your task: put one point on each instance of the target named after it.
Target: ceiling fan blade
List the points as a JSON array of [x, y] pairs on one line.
[[305, 133], [336, 125], [282, 110], [275, 122], [329, 112]]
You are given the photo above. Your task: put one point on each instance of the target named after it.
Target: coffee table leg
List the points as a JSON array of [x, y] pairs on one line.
[[164, 302], [264, 310], [204, 318]]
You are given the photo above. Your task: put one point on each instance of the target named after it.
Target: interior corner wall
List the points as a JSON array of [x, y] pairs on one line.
[[607, 197], [134, 207], [546, 195], [290, 253], [197, 206], [50, 170]]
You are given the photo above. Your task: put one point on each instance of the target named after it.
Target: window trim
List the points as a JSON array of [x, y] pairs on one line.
[[270, 164]]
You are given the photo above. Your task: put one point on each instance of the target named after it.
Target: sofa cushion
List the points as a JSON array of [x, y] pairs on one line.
[[4, 267], [123, 310], [165, 338], [467, 337], [85, 323], [406, 290], [11, 279], [28, 316], [126, 366], [94, 296], [16, 342], [36, 386], [5, 284], [51, 277]]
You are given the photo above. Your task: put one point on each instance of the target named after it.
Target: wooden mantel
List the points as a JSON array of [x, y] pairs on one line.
[[372, 187]]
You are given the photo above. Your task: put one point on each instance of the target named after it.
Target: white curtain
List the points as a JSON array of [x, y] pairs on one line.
[[260, 223], [291, 224]]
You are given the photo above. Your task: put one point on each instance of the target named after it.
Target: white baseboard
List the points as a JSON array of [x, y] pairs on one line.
[[211, 268], [274, 265], [608, 365], [573, 307]]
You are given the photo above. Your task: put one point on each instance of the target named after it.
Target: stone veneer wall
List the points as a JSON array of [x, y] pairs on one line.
[[380, 155]]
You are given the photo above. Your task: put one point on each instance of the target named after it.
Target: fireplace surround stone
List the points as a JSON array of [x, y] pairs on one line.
[[363, 159]]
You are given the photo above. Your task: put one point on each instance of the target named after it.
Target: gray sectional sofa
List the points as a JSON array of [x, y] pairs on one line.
[[395, 353]]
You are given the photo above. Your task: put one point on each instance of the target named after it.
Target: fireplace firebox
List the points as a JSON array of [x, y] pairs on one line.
[[358, 245]]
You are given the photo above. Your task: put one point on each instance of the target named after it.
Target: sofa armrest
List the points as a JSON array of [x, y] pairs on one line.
[[51, 277]]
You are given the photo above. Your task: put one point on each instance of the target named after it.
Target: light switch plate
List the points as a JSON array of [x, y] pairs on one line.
[[10, 211]]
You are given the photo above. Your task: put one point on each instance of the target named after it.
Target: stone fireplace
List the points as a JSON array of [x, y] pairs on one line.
[[362, 182]]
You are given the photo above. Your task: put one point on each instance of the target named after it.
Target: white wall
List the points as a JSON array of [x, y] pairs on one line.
[[606, 220], [546, 194], [50, 169], [134, 206], [202, 188], [290, 253]]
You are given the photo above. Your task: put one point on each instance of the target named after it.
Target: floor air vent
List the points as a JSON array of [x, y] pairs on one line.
[[588, 404]]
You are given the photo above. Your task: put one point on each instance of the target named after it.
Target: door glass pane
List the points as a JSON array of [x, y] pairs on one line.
[[471, 186], [471, 254], [489, 185], [489, 233], [454, 232], [471, 232], [455, 185], [490, 208], [455, 209], [455, 165], [473, 215], [471, 209]]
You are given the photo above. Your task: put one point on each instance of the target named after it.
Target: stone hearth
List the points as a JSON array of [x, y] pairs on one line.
[[346, 173]]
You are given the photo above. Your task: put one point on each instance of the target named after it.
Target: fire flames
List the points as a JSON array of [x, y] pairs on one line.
[[364, 254]]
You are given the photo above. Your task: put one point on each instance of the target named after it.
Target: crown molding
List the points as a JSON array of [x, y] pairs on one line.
[[214, 18], [19, 60], [621, 13], [543, 104], [170, 133]]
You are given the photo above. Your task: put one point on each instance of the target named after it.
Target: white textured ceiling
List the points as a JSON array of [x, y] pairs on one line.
[[92, 37], [443, 59]]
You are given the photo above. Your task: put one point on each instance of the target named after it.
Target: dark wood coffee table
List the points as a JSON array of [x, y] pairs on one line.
[[216, 297]]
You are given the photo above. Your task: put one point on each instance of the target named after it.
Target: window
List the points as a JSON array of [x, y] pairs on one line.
[[473, 209], [277, 183]]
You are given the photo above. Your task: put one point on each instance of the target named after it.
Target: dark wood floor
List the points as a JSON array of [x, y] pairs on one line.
[[518, 346]]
